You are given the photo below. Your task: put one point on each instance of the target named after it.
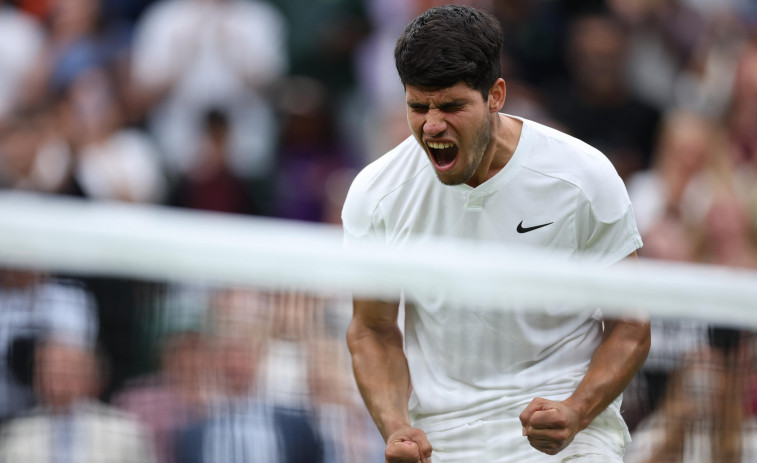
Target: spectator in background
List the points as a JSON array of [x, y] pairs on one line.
[[534, 32], [687, 164], [670, 201], [728, 238], [113, 162], [78, 40], [35, 154], [242, 427], [704, 416], [296, 321], [663, 38], [596, 105], [70, 424], [338, 408], [34, 305], [191, 56], [385, 124], [311, 155], [70, 135], [21, 42], [705, 83], [76, 144], [176, 396], [683, 52], [741, 121], [211, 184], [742, 130], [322, 38]]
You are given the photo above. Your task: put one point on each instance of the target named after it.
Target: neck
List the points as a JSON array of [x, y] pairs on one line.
[[508, 137], [505, 137]]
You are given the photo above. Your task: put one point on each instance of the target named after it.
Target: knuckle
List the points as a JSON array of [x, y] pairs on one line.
[[392, 453]]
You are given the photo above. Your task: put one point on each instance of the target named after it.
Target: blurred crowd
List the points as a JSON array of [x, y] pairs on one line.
[[104, 370], [270, 107]]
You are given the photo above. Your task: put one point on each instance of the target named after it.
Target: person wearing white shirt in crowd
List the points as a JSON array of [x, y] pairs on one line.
[[190, 56], [70, 424]]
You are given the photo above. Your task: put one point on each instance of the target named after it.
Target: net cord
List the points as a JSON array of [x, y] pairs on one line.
[[65, 235]]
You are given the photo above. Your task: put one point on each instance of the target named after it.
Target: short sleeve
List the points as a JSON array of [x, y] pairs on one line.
[[358, 215], [606, 229]]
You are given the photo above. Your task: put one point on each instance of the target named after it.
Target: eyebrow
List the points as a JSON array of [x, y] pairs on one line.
[[444, 106]]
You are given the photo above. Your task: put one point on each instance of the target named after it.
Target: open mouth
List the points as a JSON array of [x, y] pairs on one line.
[[444, 155]]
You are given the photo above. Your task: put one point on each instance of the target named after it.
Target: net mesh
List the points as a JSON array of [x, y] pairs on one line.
[[201, 334]]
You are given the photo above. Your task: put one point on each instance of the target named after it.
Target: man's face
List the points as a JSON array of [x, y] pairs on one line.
[[64, 374], [453, 125], [238, 360]]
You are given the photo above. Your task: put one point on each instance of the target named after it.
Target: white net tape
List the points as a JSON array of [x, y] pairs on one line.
[[66, 235]]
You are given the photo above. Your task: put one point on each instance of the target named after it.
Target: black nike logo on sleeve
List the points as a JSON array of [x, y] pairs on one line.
[[522, 229]]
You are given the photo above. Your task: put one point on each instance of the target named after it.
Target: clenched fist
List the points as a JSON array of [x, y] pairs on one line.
[[550, 426], [408, 445]]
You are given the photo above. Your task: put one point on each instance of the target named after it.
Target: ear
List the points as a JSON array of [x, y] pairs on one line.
[[497, 95]]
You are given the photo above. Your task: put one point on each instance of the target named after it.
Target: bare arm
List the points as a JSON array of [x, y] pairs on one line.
[[381, 372], [616, 360], [550, 426], [379, 363]]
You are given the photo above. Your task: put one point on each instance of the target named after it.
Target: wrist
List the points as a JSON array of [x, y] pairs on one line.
[[391, 426], [582, 409]]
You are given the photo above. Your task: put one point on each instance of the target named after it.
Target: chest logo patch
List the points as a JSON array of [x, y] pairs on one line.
[[522, 229]]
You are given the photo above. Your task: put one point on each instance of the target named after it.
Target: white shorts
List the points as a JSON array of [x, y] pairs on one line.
[[500, 440]]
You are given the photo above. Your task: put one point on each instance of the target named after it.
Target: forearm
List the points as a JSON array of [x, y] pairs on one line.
[[381, 373], [616, 360]]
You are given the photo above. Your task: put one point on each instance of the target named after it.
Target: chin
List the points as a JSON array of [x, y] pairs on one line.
[[450, 180]]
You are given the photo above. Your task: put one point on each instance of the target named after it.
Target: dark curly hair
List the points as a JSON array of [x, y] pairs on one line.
[[449, 44]]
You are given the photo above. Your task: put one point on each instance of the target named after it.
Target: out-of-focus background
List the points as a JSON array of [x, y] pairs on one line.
[[270, 108]]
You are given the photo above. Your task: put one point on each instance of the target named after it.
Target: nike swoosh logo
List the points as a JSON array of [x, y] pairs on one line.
[[522, 229]]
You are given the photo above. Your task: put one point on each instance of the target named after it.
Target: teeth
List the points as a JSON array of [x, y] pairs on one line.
[[440, 146]]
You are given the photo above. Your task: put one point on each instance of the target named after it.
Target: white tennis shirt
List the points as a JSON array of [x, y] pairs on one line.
[[469, 362]]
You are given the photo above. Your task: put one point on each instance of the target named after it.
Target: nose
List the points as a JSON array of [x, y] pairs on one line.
[[435, 123]]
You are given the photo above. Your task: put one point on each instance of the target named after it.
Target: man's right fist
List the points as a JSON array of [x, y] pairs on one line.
[[408, 445]]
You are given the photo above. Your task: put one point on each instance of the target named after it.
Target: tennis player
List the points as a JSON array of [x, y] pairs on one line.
[[472, 383]]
